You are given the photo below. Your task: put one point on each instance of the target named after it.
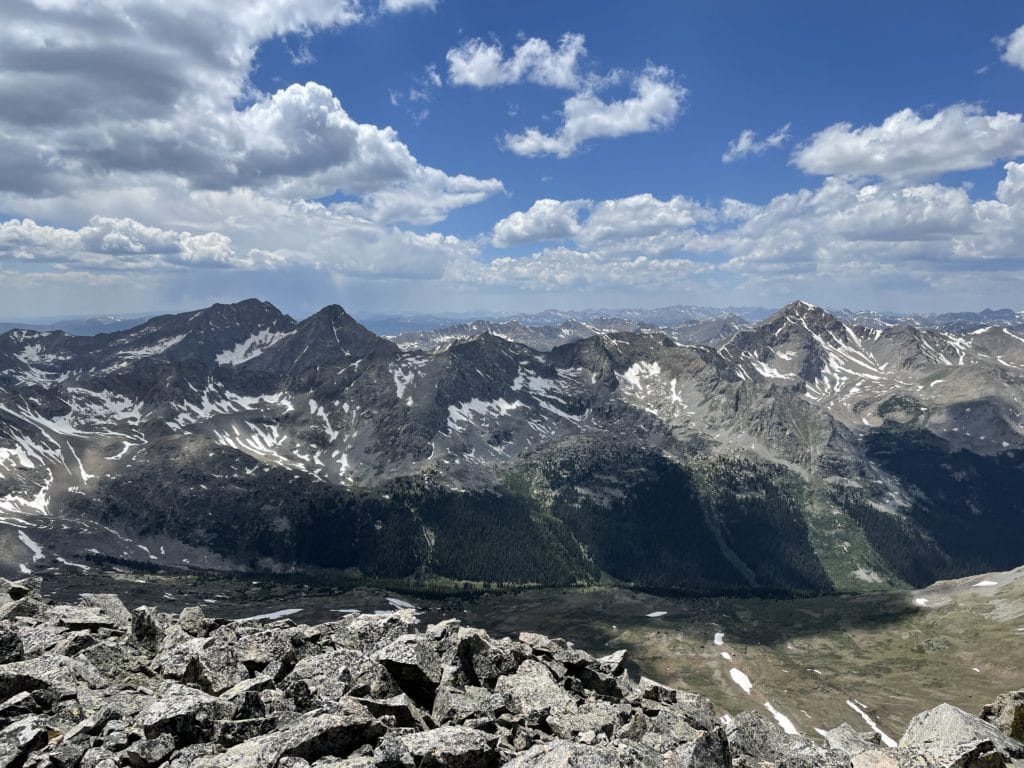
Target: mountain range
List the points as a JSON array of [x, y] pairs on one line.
[[806, 452]]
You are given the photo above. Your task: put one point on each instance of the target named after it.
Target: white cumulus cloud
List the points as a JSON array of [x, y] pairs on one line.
[[642, 221], [482, 64], [909, 147], [401, 6], [564, 267], [747, 144], [1012, 48], [846, 238], [115, 243], [639, 223], [545, 220], [184, 111], [299, 142], [656, 102]]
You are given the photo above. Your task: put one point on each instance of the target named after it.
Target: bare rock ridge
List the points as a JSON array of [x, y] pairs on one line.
[[94, 685]]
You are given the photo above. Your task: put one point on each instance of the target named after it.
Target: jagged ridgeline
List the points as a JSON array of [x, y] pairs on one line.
[[94, 685], [800, 454]]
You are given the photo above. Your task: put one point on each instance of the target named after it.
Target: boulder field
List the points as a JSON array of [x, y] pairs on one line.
[[96, 685]]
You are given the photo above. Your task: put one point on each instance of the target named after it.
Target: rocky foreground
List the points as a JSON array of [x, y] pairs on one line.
[[98, 686]]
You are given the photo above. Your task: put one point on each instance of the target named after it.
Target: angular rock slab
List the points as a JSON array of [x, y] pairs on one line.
[[1007, 714], [186, 714], [333, 733], [754, 740], [946, 735], [452, 746], [413, 662], [566, 754]]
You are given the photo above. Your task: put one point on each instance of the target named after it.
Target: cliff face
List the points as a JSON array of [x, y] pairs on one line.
[[95, 685]]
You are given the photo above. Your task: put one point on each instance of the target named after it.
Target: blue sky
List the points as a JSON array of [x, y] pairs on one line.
[[460, 156]]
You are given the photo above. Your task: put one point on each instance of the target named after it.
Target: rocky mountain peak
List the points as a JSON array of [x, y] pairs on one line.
[[336, 333], [488, 344], [801, 313], [327, 339], [218, 334], [482, 367], [800, 306], [333, 324], [247, 309], [250, 315]]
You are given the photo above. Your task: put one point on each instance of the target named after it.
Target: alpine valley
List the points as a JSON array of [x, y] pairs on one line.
[[804, 453]]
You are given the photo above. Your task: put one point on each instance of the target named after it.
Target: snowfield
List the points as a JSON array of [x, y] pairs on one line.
[[741, 680]]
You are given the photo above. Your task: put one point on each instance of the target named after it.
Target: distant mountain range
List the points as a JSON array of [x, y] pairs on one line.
[[417, 328], [805, 452], [78, 326]]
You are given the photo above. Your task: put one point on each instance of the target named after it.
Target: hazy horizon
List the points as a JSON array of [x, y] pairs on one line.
[[750, 313]]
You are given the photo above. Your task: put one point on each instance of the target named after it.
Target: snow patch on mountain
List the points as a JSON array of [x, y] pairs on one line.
[[25, 454], [97, 409], [857, 707], [784, 722], [537, 385], [39, 504], [217, 399], [403, 380], [33, 353], [252, 347], [468, 414], [319, 411], [35, 549], [740, 678], [640, 375], [153, 349], [264, 442], [770, 372]]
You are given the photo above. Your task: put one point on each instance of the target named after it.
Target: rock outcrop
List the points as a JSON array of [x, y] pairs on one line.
[[95, 685], [1007, 714], [946, 735]]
